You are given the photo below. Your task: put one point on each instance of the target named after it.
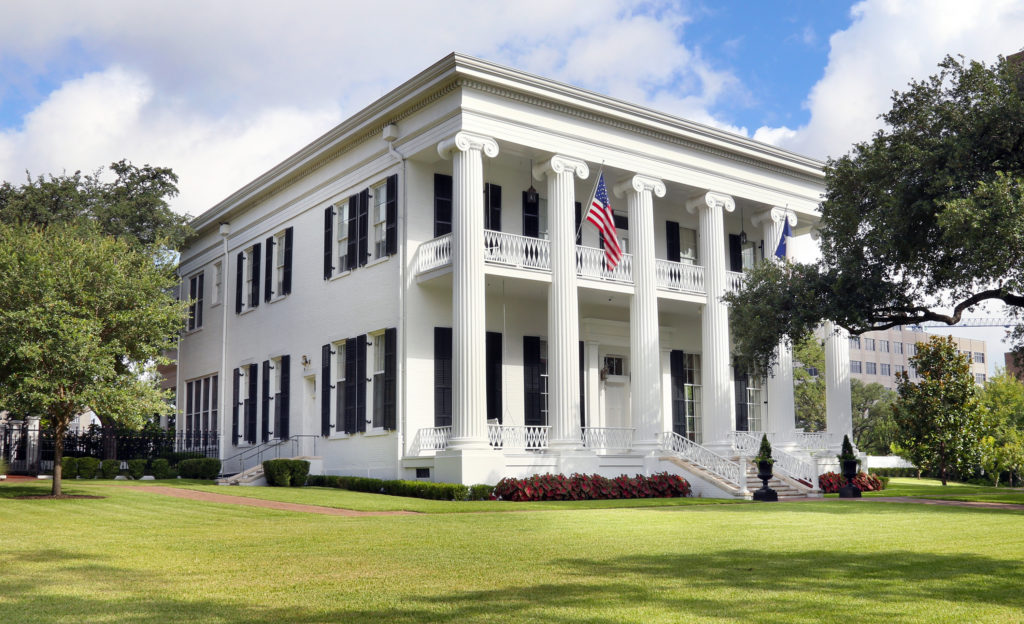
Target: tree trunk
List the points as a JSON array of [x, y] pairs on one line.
[[942, 473], [58, 455]]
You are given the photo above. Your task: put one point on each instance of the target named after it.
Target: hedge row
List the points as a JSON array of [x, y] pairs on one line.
[[590, 487], [414, 489], [286, 472], [894, 472], [91, 468], [830, 482]]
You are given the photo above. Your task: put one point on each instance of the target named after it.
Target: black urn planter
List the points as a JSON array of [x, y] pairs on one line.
[[849, 468], [764, 472]]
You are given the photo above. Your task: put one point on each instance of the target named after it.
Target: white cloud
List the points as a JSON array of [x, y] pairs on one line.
[[222, 91], [889, 43]]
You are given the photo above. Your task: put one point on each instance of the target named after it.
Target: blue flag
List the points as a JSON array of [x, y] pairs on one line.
[[787, 232]]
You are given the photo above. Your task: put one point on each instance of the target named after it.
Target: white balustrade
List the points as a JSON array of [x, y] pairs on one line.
[[745, 443], [748, 444], [434, 254], [608, 438], [814, 440], [590, 263], [433, 438], [686, 449], [524, 252], [733, 281], [678, 276], [518, 437]]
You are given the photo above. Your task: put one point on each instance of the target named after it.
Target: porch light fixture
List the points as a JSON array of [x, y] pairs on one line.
[[743, 234], [531, 193]]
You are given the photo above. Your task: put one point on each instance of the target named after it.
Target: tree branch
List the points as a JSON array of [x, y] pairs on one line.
[[917, 315]]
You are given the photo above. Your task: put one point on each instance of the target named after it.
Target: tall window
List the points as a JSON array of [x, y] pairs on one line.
[[341, 227], [251, 277], [339, 383], [687, 245], [376, 368], [218, 283], [692, 396], [279, 264], [755, 404], [195, 306], [200, 417], [379, 214]]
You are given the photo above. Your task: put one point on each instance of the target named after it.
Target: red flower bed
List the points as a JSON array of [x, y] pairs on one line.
[[830, 482], [590, 487]]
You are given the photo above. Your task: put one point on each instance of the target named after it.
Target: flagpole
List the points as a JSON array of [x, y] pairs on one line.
[[593, 194]]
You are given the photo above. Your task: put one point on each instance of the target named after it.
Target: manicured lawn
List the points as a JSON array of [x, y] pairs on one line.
[[144, 558], [933, 488]]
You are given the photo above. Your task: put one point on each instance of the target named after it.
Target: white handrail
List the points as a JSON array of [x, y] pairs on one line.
[[748, 444], [618, 438], [684, 448], [733, 281], [590, 262], [518, 436], [678, 276], [434, 254], [433, 438], [524, 252]]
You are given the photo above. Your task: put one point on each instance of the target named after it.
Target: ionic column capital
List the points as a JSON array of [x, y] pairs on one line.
[[640, 183], [711, 200], [561, 164], [776, 215], [466, 141]]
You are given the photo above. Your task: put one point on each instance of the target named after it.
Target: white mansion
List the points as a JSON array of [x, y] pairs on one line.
[[412, 296]]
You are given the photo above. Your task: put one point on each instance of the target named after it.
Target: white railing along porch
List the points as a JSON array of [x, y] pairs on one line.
[[524, 252], [434, 254], [433, 438], [814, 440], [684, 448], [679, 276], [590, 262], [615, 438], [518, 436], [747, 444], [733, 281]]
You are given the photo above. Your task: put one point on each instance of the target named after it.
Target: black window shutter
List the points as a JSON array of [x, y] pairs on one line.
[[286, 282], [268, 271], [199, 301], [492, 207], [254, 294], [364, 226], [282, 407], [735, 253], [534, 401], [361, 383], [329, 242], [391, 226], [676, 367], [583, 386], [236, 391], [325, 390], [741, 402], [351, 400], [265, 400], [493, 367], [353, 237], [531, 216], [442, 376], [250, 407], [239, 281], [672, 252], [390, 379], [442, 204], [579, 223]]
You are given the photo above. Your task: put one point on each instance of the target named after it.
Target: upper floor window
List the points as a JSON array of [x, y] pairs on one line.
[[195, 306], [884, 370], [871, 368], [979, 357], [379, 216], [883, 346], [341, 243], [897, 347], [855, 342], [855, 366], [348, 241], [869, 344], [979, 378], [911, 348]]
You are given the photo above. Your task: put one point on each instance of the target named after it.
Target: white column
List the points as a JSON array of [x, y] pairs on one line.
[[469, 333], [563, 306], [781, 416], [717, 404], [644, 350], [838, 408]]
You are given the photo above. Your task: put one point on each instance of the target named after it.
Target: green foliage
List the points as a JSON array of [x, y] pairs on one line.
[[286, 472], [136, 468], [300, 472], [764, 453], [69, 467], [109, 468], [940, 417], [162, 469], [874, 429], [199, 468], [928, 215], [894, 472], [809, 390], [175, 458], [3, 466], [427, 489], [88, 467], [1003, 444], [480, 492], [847, 450]]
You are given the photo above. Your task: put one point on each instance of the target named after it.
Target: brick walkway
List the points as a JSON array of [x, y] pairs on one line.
[[211, 497]]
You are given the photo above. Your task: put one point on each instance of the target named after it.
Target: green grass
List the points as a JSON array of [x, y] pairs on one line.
[[933, 488], [144, 558]]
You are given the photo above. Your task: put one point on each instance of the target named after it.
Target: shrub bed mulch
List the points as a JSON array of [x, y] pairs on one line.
[[211, 497]]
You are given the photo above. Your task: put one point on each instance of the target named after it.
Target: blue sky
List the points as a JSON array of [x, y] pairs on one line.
[[222, 91]]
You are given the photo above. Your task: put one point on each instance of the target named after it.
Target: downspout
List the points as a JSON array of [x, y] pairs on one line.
[[390, 134], [225, 230]]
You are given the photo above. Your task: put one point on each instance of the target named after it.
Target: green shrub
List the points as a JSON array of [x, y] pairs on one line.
[[300, 471], [110, 467], [161, 469], [277, 472], [3, 466], [87, 467], [176, 458], [894, 472], [199, 468], [361, 484], [69, 467], [480, 491], [136, 468], [426, 489]]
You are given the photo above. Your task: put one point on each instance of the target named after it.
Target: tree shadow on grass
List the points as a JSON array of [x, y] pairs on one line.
[[738, 585]]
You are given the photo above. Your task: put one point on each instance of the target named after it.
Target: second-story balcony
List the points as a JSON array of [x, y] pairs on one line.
[[513, 251]]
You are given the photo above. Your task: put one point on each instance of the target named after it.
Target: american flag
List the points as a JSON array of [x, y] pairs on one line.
[[600, 214]]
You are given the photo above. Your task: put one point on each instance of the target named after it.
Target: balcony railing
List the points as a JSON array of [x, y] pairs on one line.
[[529, 438], [608, 438], [590, 262], [733, 281], [679, 277], [434, 254], [524, 252], [513, 437]]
